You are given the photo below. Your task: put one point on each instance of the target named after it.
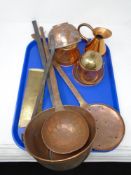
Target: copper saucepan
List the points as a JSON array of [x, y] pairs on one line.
[[109, 123]]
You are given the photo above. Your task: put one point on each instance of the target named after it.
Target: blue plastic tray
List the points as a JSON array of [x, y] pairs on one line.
[[104, 92]]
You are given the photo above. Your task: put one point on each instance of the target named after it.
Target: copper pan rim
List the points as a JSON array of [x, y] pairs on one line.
[[65, 159]]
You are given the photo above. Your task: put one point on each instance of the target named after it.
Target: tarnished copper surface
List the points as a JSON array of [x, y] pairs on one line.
[[65, 132], [67, 55], [97, 44], [35, 146], [109, 123], [110, 127], [65, 34]]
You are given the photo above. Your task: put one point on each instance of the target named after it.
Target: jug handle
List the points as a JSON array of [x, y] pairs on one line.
[[86, 25]]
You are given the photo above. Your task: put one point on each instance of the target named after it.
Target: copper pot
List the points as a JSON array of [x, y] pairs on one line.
[[40, 152]]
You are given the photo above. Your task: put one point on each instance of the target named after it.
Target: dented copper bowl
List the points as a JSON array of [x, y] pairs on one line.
[[65, 34]]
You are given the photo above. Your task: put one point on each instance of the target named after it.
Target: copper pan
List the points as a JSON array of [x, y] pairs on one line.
[[109, 123], [36, 148]]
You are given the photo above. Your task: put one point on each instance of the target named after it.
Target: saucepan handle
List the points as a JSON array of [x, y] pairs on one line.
[[47, 67], [55, 95], [75, 92]]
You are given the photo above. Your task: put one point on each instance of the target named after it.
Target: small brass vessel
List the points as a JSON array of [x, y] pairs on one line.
[[89, 69]]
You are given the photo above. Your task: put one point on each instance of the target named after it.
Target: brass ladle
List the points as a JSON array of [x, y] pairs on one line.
[[109, 124]]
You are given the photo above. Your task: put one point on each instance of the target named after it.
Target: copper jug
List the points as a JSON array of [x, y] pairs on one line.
[[97, 43], [89, 70]]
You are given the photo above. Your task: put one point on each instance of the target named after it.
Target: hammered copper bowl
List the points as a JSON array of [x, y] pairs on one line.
[[65, 34], [35, 146]]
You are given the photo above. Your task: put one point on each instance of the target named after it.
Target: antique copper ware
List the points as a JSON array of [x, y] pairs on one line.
[[60, 132], [67, 56], [97, 43], [65, 34], [60, 162], [109, 123], [66, 39], [35, 145], [89, 69], [66, 126]]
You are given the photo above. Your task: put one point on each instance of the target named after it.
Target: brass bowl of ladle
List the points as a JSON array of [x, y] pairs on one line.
[[33, 134]]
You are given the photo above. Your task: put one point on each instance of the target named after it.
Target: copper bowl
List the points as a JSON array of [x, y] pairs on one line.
[[35, 146], [65, 34]]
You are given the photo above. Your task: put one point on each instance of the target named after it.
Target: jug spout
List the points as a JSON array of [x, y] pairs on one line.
[[97, 45]]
